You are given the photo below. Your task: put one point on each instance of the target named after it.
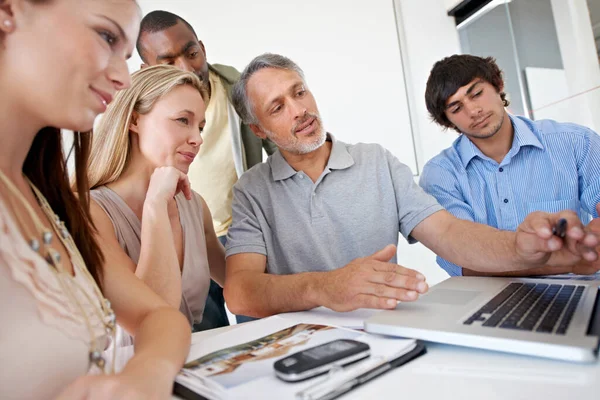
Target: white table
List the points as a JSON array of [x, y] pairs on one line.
[[450, 372]]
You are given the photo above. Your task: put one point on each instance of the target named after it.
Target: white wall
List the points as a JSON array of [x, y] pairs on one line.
[[541, 94], [553, 101], [580, 60], [351, 56]]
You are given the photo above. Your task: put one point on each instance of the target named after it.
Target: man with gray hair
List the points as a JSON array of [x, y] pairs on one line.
[[317, 224]]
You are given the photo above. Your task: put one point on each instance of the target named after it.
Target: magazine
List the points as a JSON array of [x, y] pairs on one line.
[[242, 369]]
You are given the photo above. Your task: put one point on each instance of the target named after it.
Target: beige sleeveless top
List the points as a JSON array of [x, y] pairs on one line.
[[44, 338], [195, 277]]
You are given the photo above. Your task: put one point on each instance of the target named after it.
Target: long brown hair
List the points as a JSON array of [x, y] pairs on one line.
[[46, 167]]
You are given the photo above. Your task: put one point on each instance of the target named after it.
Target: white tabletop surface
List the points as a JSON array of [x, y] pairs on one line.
[[450, 372]]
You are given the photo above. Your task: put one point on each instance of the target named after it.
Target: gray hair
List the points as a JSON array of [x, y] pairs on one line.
[[239, 96]]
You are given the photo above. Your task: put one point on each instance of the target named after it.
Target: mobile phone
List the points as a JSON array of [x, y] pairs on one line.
[[320, 359]]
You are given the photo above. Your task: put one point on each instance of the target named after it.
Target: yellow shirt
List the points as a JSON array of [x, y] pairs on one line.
[[212, 174]]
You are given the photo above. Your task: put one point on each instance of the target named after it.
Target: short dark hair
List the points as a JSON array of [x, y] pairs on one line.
[[157, 21], [450, 74]]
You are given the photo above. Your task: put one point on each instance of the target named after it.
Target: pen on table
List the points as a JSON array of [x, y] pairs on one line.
[[340, 383], [334, 386], [359, 380], [560, 229]]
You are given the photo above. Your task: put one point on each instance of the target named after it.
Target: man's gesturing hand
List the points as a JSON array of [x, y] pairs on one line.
[[370, 282]]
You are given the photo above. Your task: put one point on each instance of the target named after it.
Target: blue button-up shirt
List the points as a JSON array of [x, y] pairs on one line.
[[550, 167]]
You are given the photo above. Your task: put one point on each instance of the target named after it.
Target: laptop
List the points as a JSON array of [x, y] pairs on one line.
[[552, 317]]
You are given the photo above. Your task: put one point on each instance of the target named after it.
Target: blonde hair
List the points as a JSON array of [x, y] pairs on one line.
[[111, 144]]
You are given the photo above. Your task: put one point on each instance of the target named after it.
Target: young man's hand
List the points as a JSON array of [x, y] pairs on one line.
[[536, 244]]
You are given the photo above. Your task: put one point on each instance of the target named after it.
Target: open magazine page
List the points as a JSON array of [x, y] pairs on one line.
[[243, 365]]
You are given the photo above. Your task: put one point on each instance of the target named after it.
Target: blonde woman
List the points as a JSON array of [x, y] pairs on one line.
[[147, 216], [59, 296]]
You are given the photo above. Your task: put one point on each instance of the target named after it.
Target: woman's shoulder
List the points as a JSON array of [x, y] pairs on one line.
[[116, 209], [102, 196], [101, 199]]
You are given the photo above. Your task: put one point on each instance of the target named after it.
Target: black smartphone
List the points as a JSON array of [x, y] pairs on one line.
[[320, 359]]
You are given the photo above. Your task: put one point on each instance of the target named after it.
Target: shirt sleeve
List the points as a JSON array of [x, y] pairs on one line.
[[589, 172], [245, 234], [443, 185], [414, 205]]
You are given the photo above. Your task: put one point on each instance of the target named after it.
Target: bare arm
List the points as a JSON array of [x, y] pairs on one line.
[[158, 266], [370, 282], [162, 341], [473, 246], [545, 270], [250, 291], [584, 267], [160, 332], [214, 248], [483, 248]]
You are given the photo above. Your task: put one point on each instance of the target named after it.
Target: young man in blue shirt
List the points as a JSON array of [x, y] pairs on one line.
[[503, 167]]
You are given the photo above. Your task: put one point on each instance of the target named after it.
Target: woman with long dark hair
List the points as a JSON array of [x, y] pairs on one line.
[[61, 62]]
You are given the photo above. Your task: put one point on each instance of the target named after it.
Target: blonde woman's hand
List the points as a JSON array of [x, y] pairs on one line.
[[165, 183]]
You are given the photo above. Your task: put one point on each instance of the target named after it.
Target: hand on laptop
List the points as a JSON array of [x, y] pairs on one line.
[[537, 244], [371, 282]]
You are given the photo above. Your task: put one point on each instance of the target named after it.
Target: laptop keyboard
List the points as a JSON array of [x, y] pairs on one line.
[[540, 307]]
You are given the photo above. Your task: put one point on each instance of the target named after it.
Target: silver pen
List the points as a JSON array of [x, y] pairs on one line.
[[340, 382]]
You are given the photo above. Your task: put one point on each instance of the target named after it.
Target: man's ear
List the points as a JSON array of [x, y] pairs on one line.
[[143, 65], [133, 124], [258, 131], [202, 47]]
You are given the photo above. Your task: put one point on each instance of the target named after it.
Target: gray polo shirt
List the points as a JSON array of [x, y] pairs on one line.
[[363, 198]]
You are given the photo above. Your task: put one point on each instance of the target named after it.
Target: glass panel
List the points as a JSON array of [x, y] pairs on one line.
[[489, 33], [548, 50], [570, 93], [594, 8]]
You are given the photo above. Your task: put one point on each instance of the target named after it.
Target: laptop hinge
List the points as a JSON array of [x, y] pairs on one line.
[[594, 326]]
